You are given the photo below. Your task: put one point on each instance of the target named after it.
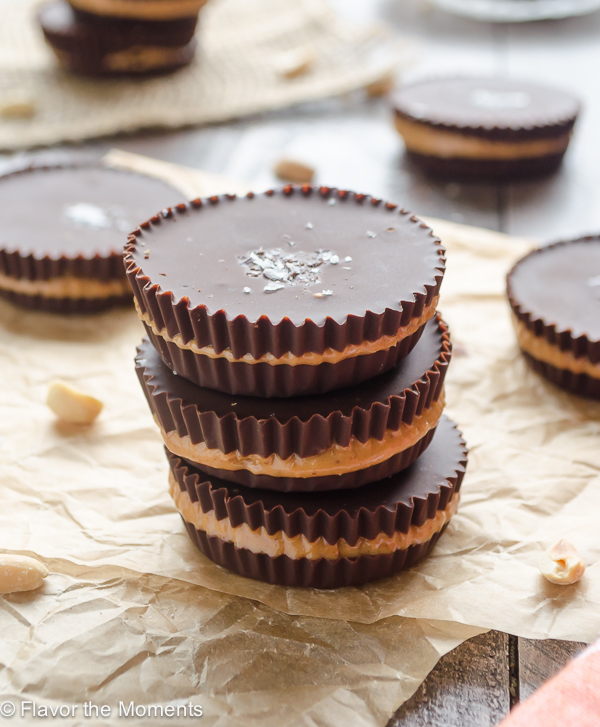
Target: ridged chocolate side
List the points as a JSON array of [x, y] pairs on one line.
[[449, 104], [304, 426], [106, 267], [347, 481], [552, 130], [305, 573], [262, 379], [241, 334], [580, 384], [581, 346], [392, 505], [66, 305], [487, 169]]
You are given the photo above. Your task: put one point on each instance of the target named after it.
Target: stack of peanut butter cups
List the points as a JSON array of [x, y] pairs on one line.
[[294, 364], [121, 37]]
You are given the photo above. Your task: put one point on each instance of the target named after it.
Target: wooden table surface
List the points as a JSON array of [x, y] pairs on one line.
[[353, 145]]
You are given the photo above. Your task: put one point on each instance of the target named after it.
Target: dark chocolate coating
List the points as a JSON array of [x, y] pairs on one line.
[[392, 505], [494, 108], [64, 306], [262, 379], [490, 170], [303, 425], [305, 573], [47, 233], [85, 40], [186, 274], [558, 287], [580, 384]]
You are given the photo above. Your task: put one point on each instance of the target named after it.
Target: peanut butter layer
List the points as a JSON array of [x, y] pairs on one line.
[[307, 359], [540, 349], [443, 143], [260, 541], [143, 9], [65, 287], [142, 58], [334, 461]]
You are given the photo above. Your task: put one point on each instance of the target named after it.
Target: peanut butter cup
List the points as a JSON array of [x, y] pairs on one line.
[[62, 234], [554, 293], [342, 439], [495, 128], [297, 291], [324, 540], [100, 45]]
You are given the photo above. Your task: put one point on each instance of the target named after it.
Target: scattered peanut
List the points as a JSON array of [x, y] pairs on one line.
[[72, 405], [18, 107], [291, 170], [380, 87], [562, 564], [20, 573], [294, 63]]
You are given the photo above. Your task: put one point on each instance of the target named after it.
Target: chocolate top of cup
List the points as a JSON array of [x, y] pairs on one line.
[[293, 255], [391, 505], [78, 213], [558, 287], [488, 106]]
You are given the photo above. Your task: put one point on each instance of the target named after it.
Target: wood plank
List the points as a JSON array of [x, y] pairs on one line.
[[541, 660], [469, 687]]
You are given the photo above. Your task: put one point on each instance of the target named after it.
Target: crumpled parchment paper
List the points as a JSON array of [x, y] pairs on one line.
[[132, 608]]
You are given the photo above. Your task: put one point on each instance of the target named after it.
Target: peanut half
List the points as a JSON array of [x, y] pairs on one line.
[[562, 564], [19, 106], [291, 170], [19, 573], [293, 63], [71, 405]]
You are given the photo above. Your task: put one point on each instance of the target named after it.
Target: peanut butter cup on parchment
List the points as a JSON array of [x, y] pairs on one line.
[[489, 128], [554, 293], [330, 539], [297, 291], [343, 439], [62, 234]]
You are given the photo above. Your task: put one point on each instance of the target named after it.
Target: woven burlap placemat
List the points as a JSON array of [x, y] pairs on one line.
[[238, 71]]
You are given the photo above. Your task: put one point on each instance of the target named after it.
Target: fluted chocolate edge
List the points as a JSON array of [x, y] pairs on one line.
[[303, 438], [264, 380], [580, 347], [347, 481], [242, 335], [306, 573], [213, 496], [67, 305], [580, 384]]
